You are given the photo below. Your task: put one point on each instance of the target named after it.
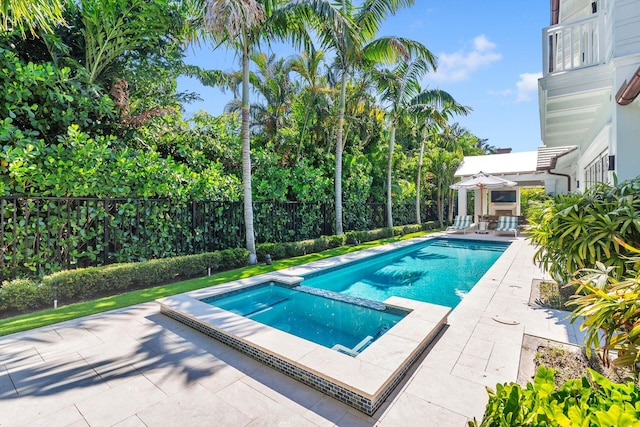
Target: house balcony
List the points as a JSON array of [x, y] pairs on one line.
[[577, 44]]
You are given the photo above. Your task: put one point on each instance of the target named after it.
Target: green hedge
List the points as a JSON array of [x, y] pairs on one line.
[[82, 283]]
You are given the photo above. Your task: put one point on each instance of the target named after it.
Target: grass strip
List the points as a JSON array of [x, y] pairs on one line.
[[51, 316]]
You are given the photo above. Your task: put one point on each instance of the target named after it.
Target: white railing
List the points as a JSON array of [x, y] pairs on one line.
[[575, 45]]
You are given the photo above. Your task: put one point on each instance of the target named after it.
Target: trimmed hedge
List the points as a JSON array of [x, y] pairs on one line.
[[82, 283]]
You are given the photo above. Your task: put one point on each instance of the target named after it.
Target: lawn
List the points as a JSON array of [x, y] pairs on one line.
[[73, 311]]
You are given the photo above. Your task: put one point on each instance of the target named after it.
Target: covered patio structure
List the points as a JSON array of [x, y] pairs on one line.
[[527, 169]]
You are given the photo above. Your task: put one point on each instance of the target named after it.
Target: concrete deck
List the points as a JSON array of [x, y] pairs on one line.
[[137, 367]]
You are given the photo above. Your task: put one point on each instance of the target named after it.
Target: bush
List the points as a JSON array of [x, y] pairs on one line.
[[24, 294], [276, 250], [83, 283], [578, 230], [593, 401], [411, 228], [367, 236], [429, 225]]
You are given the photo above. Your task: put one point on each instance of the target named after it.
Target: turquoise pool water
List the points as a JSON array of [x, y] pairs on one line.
[[333, 323], [439, 271]]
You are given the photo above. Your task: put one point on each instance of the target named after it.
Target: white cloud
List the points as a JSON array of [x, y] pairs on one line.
[[527, 86], [505, 92], [460, 65]]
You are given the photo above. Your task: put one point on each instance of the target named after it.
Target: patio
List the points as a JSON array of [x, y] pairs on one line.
[[137, 367]]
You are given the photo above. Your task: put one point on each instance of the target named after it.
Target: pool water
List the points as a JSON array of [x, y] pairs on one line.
[[333, 323], [440, 271]]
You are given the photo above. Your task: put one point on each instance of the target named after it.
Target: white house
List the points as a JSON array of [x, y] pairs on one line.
[[589, 111]]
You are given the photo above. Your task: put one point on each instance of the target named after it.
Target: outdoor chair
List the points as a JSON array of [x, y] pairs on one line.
[[507, 224], [461, 223]]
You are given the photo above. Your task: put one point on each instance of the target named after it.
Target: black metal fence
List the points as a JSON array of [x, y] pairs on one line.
[[39, 235]]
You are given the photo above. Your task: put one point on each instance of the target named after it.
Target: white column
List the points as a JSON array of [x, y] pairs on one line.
[[462, 201], [476, 204], [550, 186]]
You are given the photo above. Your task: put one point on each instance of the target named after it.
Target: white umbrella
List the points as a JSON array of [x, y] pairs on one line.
[[483, 180]]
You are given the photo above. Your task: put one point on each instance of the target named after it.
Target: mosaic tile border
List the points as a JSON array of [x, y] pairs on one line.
[[349, 397]]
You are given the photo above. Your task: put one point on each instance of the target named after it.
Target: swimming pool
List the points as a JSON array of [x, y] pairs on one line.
[[363, 380], [439, 271], [323, 319]]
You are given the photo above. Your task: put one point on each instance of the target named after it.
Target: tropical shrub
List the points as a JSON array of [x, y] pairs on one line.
[[578, 230], [533, 200], [592, 401], [608, 309]]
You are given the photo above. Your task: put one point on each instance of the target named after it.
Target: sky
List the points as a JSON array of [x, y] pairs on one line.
[[489, 58]]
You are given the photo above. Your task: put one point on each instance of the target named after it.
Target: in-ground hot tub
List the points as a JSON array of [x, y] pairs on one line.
[[360, 370], [341, 323]]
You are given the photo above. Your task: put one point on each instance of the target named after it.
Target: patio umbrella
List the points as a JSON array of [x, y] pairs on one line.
[[482, 180]]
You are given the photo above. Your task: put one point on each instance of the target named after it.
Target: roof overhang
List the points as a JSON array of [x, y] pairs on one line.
[[548, 156]]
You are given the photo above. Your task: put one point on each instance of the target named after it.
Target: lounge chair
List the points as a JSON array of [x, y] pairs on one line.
[[461, 223], [507, 224]]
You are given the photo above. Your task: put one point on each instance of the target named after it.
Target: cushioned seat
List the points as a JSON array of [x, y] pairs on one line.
[[507, 224], [461, 223]]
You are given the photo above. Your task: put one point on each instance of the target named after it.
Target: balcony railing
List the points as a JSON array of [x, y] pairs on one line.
[[575, 45]]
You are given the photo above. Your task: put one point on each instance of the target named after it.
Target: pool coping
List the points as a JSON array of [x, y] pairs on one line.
[[364, 381]]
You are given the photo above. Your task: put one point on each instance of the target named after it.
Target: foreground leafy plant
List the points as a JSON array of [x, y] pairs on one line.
[[578, 230], [609, 310], [593, 401]]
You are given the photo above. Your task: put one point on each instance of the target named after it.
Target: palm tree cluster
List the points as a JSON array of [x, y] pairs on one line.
[[343, 105]]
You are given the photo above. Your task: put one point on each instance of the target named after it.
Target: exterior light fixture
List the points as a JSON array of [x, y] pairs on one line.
[[612, 163]]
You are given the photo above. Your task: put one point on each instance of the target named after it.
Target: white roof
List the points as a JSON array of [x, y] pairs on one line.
[[510, 163]]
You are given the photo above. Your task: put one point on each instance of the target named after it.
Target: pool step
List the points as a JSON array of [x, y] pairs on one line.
[[260, 307]]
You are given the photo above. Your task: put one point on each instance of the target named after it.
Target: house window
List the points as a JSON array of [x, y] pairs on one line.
[[597, 170]]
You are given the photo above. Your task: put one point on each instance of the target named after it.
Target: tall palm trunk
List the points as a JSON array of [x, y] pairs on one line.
[[418, 177], [246, 159], [339, 146], [392, 140]]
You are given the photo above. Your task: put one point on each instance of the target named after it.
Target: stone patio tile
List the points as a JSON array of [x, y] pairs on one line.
[[291, 394], [194, 406], [64, 379], [26, 409], [454, 393], [410, 410], [246, 399], [20, 357], [174, 375], [279, 416], [61, 417], [132, 421], [327, 412], [7, 390], [479, 347], [128, 398], [441, 358], [221, 376], [480, 376], [471, 361], [455, 339], [353, 419]]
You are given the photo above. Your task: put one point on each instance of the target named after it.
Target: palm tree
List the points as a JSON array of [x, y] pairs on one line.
[[363, 48], [242, 24], [433, 109], [398, 87], [30, 14]]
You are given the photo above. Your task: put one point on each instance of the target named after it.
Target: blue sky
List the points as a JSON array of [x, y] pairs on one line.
[[489, 58]]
